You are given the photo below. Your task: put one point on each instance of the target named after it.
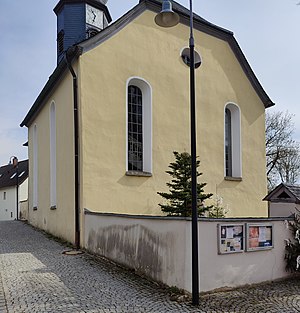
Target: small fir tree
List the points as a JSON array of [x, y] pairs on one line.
[[292, 247], [217, 210], [179, 199]]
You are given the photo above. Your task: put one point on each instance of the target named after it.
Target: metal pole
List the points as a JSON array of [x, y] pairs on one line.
[[17, 171], [195, 264]]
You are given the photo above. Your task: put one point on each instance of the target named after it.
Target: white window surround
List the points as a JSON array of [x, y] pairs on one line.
[[35, 167], [52, 154], [147, 122], [236, 140]]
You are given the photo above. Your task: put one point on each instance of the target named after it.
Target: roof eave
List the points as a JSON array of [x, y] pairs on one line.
[[153, 5], [73, 53]]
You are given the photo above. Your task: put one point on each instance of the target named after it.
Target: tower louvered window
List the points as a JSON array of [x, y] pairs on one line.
[[60, 41]]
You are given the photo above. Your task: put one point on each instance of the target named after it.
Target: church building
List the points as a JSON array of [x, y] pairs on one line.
[[102, 131]]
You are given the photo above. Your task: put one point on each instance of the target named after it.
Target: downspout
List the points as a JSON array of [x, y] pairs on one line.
[[76, 152]]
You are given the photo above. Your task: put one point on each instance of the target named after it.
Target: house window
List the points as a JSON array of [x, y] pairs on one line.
[[52, 155], [139, 126], [232, 141], [35, 167], [4, 195]]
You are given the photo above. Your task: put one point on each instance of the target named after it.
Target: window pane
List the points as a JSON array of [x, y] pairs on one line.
[[228, 143], [135, 129]]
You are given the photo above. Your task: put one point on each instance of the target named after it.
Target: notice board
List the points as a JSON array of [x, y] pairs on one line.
[[231, 238], [259, 237]]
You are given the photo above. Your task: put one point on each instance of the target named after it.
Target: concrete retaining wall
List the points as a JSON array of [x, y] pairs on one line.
[[160, 247]]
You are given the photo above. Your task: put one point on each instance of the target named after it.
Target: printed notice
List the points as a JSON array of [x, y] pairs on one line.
[[231, 238]]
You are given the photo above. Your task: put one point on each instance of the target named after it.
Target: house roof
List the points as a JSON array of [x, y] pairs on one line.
[[155, 6], [8, 174], [284, 193]]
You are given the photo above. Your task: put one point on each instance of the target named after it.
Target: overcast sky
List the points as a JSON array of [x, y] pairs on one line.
[[266, 30]]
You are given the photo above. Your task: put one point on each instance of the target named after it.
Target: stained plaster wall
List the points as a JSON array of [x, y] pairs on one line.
[[161, 249]]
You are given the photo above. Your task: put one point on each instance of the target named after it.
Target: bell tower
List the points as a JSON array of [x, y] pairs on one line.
[[78, 20]]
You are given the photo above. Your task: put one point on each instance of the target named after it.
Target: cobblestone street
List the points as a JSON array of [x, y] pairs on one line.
[[35, 276]]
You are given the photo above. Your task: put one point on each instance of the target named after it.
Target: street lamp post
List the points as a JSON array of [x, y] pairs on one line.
[[168, 18], [15, 164]]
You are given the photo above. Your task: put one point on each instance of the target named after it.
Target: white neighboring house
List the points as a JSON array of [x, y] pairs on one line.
[[10, 176]]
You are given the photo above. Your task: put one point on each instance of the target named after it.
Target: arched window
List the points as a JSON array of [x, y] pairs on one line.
[[35, 167], [52, 155], [228, 143], [139, 126], [135, 129], [232, 141]]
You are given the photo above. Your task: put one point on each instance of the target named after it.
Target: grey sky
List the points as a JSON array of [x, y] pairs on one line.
[[266, 30]]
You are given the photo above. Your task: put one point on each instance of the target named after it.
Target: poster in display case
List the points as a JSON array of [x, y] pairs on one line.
[[231, 238], [259, 237]]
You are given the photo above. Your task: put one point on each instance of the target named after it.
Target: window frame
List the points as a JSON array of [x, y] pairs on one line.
[[35, 167], [52, 141], [146, 90], [236, 144], [135, 128]]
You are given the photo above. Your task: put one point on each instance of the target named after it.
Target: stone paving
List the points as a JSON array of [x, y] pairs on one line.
[[35, 276]]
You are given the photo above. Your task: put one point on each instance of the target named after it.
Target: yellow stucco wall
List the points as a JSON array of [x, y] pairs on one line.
[[145, 50], [142, 49], [59, 222]]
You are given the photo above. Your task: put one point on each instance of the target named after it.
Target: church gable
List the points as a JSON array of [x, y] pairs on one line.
[[200, 24]]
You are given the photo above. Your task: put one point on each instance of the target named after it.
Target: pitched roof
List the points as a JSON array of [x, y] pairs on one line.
[[284, 193], [8, 174], [153, 5]]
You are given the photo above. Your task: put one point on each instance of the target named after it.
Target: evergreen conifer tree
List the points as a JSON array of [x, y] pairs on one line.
[[292, 247], [179, 199]]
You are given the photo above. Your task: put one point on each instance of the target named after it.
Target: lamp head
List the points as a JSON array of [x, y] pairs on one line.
[[167, 17]]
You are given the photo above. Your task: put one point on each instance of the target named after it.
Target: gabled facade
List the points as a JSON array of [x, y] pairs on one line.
[[10, 178], [284, 200], [103, 130]]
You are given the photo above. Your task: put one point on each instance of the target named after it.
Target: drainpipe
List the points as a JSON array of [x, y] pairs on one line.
[[76, 152]]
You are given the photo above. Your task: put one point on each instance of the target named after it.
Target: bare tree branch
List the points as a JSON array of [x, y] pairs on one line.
[[282, 152]]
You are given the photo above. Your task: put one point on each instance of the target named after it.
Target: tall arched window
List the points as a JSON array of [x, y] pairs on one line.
[[228, 143], [35, 167], [232, 141], [139, 126], [52, 155], [135, 129]]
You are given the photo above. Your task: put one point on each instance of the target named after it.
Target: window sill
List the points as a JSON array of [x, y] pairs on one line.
[[34, 208], [229, 178], [138, 173], [53, 207]]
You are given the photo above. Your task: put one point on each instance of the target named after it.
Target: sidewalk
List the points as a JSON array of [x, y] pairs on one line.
[[37, 277]]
